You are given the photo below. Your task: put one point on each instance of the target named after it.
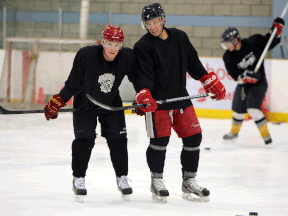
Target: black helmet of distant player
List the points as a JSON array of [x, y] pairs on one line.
[[152, 11], [231, 35]]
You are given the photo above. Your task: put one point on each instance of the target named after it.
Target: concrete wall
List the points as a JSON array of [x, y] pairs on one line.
[[204, 38]]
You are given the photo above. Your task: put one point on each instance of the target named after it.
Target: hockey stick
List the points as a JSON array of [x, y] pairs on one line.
[[269, 42], [282, 52], [8, 112], [132, 107], [286, 41]]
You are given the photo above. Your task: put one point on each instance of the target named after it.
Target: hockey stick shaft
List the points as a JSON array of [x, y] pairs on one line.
[[11, 112], [135, 106], [282, 52], [269, 42], [286, 42]]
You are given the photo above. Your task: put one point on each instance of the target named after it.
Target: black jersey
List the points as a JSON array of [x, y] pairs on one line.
[[92, 74], [236, 62], [162, 66]]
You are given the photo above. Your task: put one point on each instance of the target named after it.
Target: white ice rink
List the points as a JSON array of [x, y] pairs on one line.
[[36, 176]]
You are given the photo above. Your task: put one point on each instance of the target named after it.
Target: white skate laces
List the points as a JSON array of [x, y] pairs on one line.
[[123, 182], [158, 183], [189, 186], [123, 186], [79, 183]]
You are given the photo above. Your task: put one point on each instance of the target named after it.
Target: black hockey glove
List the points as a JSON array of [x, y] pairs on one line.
[[248, 76], [279, 24]]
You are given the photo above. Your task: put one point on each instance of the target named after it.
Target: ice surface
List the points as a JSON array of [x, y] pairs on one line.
[[242, 176]]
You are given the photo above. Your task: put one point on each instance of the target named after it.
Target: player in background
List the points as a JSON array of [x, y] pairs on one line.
[[163, 56], [240, 59], [98, 71]]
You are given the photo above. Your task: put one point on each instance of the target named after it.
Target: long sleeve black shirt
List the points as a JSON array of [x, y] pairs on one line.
[[162, 66], [236, 62], [101, 79]]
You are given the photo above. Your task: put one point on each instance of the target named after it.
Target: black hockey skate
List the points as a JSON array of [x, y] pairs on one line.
[[268, 140], [158, 189], [79, 188], [123, 186], [230, 136], [189, 186]]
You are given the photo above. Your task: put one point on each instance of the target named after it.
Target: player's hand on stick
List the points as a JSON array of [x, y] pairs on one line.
[[248, 76], [212, 84], [138, 111], [144, 97], [279, 24], [53, 106]]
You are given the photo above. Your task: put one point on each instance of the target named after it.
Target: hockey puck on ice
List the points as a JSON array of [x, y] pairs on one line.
[[253, 213], [207, 148]]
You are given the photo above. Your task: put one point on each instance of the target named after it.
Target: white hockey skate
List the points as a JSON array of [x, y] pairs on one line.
[[158, 189], [189, 187], [124, 188], [79, 189], [230, 136]]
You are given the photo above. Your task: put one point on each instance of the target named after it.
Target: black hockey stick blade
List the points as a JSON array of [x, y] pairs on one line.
[[9, 112], [104, 106], [132, 107]]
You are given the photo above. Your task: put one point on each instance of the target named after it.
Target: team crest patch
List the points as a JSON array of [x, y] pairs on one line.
[[106, 81]]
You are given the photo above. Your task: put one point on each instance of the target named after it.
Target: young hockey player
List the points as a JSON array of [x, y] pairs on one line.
[[98, 71], [240, 60], [163, 56]]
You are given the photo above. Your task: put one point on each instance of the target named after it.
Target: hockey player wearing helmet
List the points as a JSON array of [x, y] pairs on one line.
[[162, 57], [98, 71], [240, 60]]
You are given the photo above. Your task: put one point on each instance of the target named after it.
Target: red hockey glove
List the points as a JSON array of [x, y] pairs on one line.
[[138, 111], [53, 106], [248, 76], [212, 84], [144, 97], [279, 24]]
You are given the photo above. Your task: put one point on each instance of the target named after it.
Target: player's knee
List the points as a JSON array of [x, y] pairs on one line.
[[238, 116], [255, 113], [84, 143], [192, 141], [115, 142], [162, 141], [159, 144]]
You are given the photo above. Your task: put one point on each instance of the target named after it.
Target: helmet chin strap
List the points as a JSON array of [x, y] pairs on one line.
[[236, 45]]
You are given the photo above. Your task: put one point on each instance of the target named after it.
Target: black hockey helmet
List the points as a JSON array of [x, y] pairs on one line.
[[228, 36], [152, 11]]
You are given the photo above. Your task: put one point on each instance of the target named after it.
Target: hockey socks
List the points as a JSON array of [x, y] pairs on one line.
[[263, 129], [261, 124], [237, 121], [119, 155], [156, 154], [236, 125], [190, 152]]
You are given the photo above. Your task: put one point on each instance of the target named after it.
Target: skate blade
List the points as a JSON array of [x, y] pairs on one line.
[[126, 198], [187, 196], [79, 198], [159, 198]]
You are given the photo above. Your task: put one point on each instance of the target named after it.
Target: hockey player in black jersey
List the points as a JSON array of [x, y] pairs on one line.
[[163, 56], [240, 60], [98, 71]]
